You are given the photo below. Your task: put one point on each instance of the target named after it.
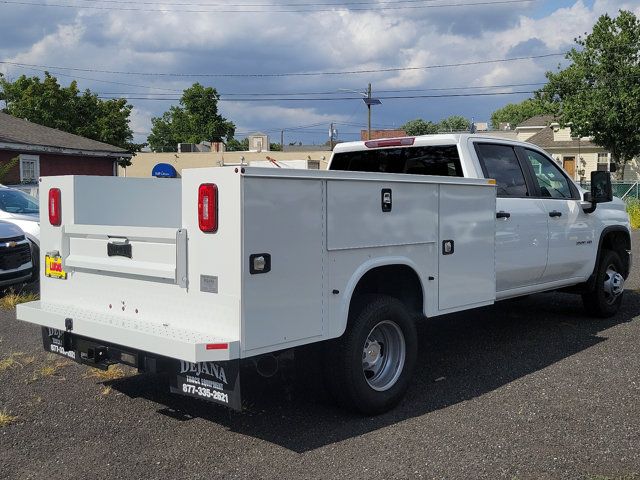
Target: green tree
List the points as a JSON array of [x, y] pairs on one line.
[[516, 113], [598, 95], [47, 103], [419, 127], [454, 123], [195, 120], [234, 145]]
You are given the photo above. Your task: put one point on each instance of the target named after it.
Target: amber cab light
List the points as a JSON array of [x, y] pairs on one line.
[[55, 213], [208, 207]]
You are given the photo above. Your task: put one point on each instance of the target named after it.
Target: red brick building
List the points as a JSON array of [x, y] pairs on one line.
[[378, 134], [44, 151]]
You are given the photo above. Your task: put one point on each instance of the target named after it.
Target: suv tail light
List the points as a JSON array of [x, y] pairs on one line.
[[55, 213], [208, 207]]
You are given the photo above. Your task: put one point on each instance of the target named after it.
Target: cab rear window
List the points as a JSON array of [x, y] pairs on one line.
[[442, 160]]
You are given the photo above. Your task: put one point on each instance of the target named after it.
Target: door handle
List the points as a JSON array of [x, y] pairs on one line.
[[555, 213], [502, 214]]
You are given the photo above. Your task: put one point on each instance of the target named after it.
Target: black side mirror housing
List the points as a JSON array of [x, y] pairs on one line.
[[601, 190]]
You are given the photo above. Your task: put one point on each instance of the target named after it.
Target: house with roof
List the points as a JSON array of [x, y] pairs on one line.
[[44, 151], [578, 156]]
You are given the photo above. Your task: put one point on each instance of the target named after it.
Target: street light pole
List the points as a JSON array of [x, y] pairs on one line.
[[369, 108], [368, 100]]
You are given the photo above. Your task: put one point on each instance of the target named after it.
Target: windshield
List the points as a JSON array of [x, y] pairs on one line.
[[15, 201]]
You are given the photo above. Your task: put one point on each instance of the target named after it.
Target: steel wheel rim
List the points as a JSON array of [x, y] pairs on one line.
[[383, 355], [613, 285]]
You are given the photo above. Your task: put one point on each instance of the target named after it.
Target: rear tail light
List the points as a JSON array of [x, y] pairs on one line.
[[208, 207], [392, 142], [55, 213]]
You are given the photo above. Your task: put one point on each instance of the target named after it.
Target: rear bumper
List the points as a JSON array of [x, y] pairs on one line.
[[160, 339]]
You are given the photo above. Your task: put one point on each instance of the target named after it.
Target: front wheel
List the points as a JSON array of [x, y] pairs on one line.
[[605, 298], [369, 368]]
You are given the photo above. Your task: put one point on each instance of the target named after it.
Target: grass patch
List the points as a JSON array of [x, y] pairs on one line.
[[17, 359], [6, 418], [112, 373], [12, 298], [49, 370], [633, 209]]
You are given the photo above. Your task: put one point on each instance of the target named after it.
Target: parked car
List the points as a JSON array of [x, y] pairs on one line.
[[22, 209], [16, 264]]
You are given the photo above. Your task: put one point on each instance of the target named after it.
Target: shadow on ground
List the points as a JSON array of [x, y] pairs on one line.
[[461, 356]]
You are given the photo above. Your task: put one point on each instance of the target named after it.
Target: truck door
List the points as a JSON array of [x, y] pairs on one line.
[[522, 236], [571, 231]]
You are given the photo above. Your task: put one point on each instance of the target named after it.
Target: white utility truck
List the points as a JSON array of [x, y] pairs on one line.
[[190, 276]]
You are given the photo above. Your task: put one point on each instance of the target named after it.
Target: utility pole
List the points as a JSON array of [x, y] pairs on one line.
[[282, 140], [369, 109], [331, 136]]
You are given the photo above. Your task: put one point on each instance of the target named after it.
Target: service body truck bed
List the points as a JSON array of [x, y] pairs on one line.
[[191, 275], [179, 293]]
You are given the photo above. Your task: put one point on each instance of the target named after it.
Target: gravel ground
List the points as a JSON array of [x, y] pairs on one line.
[[526, 389]]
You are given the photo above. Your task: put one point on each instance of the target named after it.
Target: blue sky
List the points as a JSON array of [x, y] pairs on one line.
[[397, 46]]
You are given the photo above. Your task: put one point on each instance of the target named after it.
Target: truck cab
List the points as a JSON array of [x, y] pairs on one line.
[[547, 235]]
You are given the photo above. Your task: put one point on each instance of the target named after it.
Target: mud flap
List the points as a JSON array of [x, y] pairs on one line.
[[56, 341], [217, 382]]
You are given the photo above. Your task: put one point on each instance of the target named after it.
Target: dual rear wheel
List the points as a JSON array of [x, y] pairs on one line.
[[369, 368]]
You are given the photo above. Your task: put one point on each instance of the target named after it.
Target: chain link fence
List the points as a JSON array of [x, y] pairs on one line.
[[624, 190]]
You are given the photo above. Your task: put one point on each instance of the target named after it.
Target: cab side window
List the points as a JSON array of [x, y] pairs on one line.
[[551, 180], [500, 162]]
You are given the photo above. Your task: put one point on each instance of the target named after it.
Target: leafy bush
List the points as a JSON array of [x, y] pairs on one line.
[[633, 208]]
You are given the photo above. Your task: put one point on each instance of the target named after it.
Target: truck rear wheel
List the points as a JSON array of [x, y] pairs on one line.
[[605, 298], [369, 368]]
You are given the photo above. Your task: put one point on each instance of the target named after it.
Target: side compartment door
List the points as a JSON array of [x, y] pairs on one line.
[[522, 236], [571, 231]]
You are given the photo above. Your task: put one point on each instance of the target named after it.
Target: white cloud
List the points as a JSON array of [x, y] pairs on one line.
[[327, 41]]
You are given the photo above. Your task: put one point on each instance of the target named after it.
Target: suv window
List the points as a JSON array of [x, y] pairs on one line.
[[552, 182], [441, 160], [500, 162]]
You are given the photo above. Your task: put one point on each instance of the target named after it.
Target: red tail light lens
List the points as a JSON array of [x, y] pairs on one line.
[[55, 205], [208, 207], [392, 142]]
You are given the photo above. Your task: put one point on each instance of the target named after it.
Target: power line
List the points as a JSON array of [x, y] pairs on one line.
[[334, 92], [328, 99], [269, 10], [265, 4], [288, 74]]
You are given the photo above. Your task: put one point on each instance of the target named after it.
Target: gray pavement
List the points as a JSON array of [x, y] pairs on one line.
[[526, 389]]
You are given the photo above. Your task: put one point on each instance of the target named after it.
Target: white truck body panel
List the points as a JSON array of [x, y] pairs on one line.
[[196, 287]]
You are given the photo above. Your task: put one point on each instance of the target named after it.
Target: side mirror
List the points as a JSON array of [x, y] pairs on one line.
[[601, 190]]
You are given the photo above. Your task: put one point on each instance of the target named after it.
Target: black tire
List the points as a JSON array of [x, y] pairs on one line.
[[597, 301], [344, 368]]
